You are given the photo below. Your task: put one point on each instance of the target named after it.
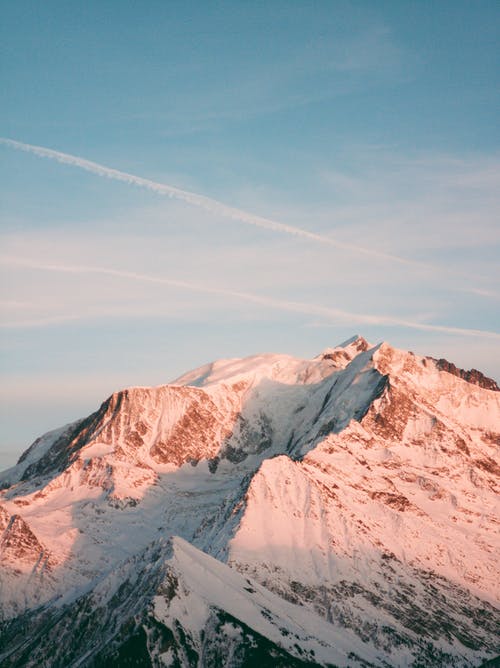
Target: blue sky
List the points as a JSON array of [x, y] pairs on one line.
[[370, 127]]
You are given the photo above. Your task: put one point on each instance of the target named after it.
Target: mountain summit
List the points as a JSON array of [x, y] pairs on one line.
[[339, 511]]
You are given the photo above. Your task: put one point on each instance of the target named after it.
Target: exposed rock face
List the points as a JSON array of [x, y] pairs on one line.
[[26, 564], [349, 504], [19, 544], [472, 376], [20, 549]]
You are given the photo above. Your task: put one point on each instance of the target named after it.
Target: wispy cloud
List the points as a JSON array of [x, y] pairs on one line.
[[343, 58], [425, 201], [203, 202], [329, 313]]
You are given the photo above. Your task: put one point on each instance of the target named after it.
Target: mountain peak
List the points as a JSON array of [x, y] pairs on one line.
[[335, 510], [357, 339], [345, 352]]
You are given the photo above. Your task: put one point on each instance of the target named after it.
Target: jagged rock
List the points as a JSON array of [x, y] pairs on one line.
[[472, 376]]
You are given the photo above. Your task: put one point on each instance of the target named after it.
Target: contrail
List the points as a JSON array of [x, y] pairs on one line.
[[233, 213], [305, 308], [207, 203]]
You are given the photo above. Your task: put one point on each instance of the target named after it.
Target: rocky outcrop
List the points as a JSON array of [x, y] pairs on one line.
[[472, 376], [21, 552]]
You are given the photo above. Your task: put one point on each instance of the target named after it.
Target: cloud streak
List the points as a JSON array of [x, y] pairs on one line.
[[304, 308], [203, 202]]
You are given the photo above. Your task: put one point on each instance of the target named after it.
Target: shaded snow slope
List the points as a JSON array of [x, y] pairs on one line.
[[181, 607], [360, 487]]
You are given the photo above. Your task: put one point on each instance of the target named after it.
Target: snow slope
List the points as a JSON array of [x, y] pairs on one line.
[[359, 489]]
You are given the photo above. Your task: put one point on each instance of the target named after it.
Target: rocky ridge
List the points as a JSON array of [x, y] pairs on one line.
[[357, 490], [472, 376]]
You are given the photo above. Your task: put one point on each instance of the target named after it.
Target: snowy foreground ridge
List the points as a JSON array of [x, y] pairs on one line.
[[268, 511]]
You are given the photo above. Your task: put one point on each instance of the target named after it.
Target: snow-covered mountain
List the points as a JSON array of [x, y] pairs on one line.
[[339, 511]]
